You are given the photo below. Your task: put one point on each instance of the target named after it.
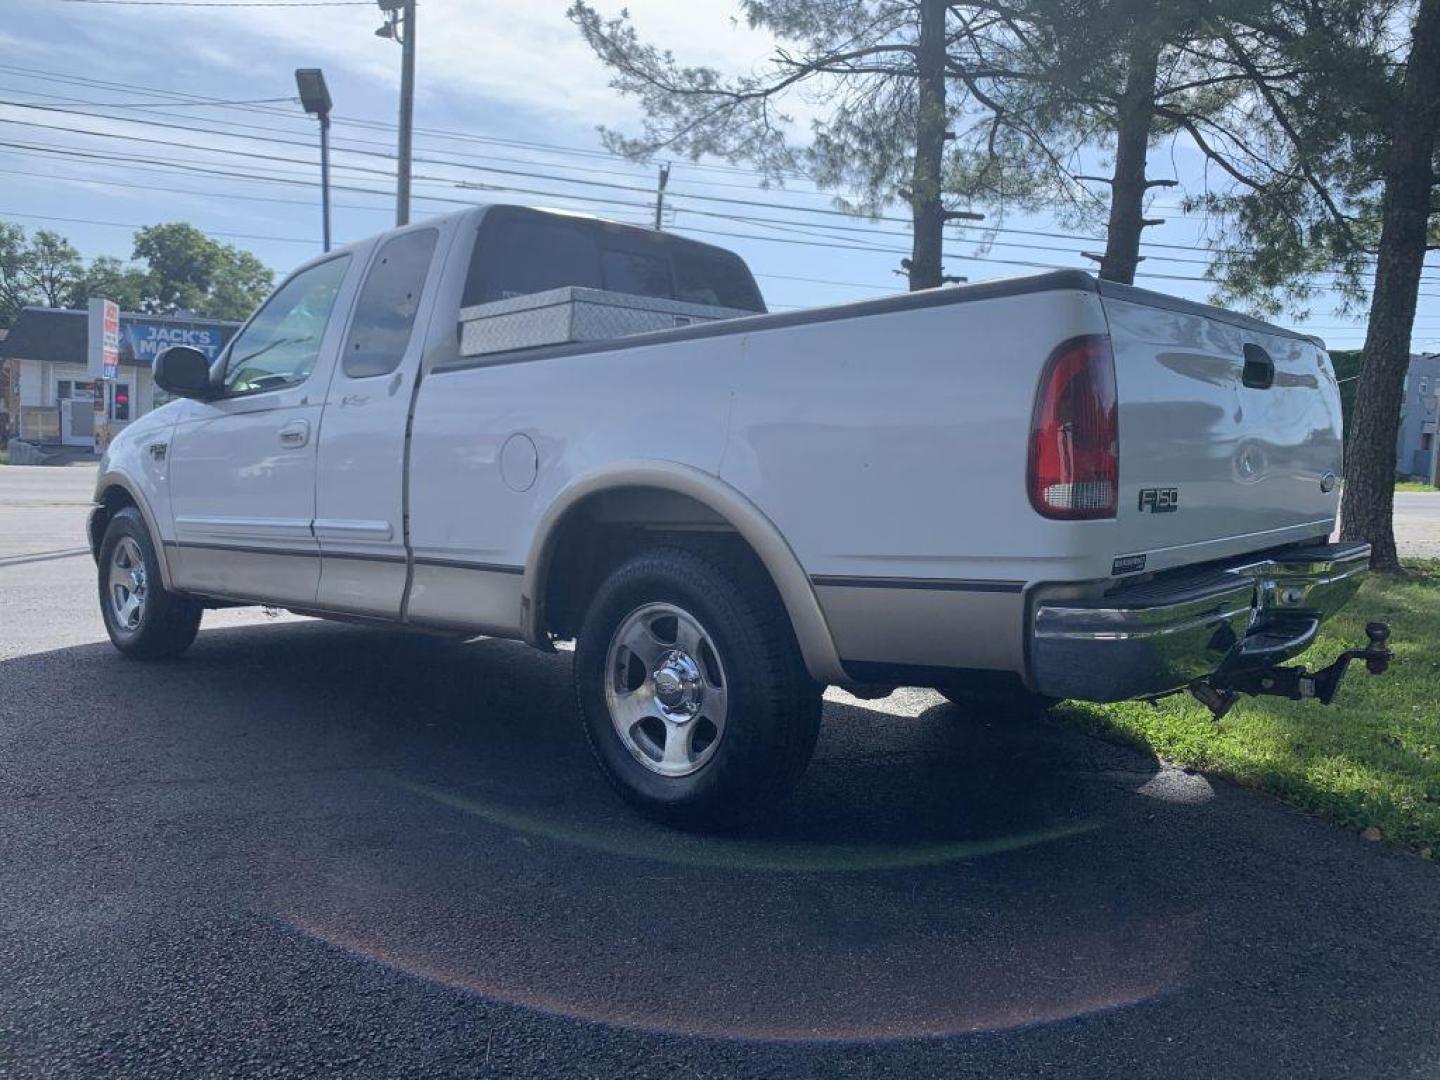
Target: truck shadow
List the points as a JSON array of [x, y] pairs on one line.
[[431, 807]]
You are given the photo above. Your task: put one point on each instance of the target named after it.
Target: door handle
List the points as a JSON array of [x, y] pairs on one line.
[[295, 434]]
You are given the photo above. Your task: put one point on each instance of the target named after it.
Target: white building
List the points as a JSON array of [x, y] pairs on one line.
[[1417, 451], [54, 392]]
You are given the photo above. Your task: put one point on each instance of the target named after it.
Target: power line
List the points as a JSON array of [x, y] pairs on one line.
[[646, 189], [637, 171], [132, 225], [577, 151], [609, 185], [807, 238], [145, 105], [784, 277], [80, 80], [826, 281], [605, 155], [783, 225], [225, 3]]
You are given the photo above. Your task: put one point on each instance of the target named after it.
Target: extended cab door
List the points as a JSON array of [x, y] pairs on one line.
[[360, 493], [242, 467]]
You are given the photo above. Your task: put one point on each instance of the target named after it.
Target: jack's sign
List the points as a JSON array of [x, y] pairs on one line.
[[148, 340]]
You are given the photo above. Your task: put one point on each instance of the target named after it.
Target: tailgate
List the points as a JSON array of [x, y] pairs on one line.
[[1229, 429]]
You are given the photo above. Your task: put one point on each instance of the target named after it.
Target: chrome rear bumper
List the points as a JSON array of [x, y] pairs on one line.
[[1164, 634]]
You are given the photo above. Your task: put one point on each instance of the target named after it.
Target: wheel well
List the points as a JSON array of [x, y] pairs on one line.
[[114, 499], [603, 529]]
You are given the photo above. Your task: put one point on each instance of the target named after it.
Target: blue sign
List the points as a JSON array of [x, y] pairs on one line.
[[145, 341]]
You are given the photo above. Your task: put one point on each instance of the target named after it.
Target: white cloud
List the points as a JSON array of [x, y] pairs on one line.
[[526, 55]]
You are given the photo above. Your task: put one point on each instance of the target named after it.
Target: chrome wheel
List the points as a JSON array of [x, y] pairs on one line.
[[665, 689], [127, 585]]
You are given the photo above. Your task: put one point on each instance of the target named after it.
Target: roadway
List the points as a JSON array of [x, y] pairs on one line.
[[309, 849]]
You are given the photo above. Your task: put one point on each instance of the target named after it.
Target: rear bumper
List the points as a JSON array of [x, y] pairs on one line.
[[1167, 633]]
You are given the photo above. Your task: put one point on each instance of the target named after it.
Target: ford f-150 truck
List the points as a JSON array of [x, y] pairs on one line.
[[1046, 487]]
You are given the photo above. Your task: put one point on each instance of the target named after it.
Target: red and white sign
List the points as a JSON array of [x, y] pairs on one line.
[[103, 360]]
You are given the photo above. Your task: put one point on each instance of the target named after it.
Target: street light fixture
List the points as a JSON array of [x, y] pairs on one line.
[[315, 97], [399, 26]]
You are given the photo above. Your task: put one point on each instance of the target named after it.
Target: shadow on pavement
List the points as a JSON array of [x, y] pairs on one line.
[[431, 807]]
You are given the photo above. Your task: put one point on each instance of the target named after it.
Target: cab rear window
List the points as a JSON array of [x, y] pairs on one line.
[[709, 279], [517, 256]]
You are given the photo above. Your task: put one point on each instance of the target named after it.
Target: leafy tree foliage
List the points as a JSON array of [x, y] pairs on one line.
[[14, 286], [1344, 187], [181, 269], [188, 271], [1004, 104], [52, 264], [109, 277], [34, 270]]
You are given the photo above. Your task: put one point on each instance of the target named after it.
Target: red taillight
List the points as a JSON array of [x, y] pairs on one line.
[[1073, 472]]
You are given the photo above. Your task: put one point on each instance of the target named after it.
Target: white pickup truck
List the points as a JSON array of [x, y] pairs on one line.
[[1047, 487]]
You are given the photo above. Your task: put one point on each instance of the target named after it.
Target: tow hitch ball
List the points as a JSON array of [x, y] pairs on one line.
[[1220, 691]]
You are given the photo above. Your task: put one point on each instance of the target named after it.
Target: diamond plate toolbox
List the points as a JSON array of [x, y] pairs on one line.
[[559, 316]]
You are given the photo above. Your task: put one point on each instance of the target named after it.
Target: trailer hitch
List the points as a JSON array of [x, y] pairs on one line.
[[1220, 691]]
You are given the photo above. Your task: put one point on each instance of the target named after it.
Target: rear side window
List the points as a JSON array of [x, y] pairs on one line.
[[385, 313], [706, 279], [637, 274]]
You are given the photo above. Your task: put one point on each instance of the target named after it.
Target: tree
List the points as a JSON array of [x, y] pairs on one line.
[[14, 286], [34, 270], [241, 281], [184, 270], [188, 271], [52, 266], [109, 277], [883, 67], [994, 102], [1368, 506], [1345, 186]]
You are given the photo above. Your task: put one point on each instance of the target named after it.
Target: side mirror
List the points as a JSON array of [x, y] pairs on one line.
[[184, 372]]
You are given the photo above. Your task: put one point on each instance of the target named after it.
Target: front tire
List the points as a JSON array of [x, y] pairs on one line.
[[690, 684], [143, 618]]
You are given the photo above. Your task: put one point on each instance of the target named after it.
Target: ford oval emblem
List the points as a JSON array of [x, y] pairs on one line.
[[1327, 482]]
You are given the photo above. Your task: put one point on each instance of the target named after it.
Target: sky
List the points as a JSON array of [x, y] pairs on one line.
[[108, 122]]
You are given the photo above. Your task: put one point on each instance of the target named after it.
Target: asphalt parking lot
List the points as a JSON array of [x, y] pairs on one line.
[[309, 849]]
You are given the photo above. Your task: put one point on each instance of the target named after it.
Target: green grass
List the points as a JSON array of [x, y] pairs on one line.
[[1372, 759], [1412, 485]]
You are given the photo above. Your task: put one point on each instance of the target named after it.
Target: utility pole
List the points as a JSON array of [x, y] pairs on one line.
[[400, 26], [660, 197], [407, 113], [315, 97]]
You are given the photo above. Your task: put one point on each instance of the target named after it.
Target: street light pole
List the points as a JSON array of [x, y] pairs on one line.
[[399, 26], [325, 177], [315, 97]]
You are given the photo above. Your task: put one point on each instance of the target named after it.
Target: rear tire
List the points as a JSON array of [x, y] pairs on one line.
[[143, 618], [691, 687]]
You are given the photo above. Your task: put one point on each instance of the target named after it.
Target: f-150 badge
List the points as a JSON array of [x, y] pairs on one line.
[[1159, 500]]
